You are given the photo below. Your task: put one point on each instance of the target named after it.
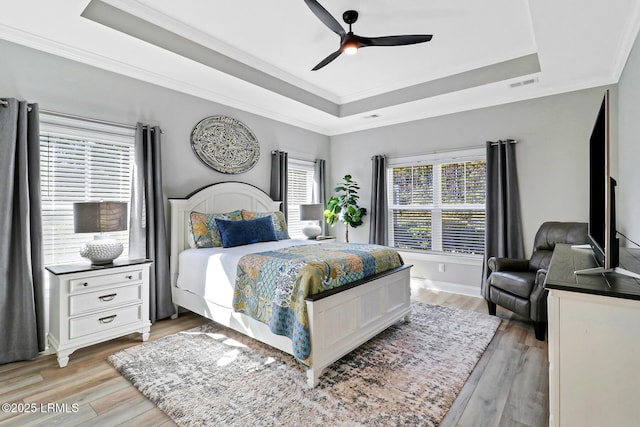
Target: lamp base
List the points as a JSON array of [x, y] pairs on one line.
[[311, 231], [101, 250]]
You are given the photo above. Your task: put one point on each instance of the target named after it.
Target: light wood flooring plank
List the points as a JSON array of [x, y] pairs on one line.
[[491, 394], [153, 417], [528, 401], [121, 415]]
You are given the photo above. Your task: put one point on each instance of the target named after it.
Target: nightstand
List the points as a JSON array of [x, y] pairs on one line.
[[91, 304]]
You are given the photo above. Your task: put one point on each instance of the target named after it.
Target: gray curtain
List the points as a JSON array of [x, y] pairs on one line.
[[319, 194], [279, 169], [148, 234], [503, 236], [22, 322], [378, 213]]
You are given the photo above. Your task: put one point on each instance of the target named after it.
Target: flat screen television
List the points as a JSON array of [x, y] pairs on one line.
[[602, 217], [602, 235]]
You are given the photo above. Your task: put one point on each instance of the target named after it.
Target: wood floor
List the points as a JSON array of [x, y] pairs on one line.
[[509, 386]]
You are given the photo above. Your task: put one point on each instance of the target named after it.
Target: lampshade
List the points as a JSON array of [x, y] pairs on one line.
[[100, 217], [311, 212]]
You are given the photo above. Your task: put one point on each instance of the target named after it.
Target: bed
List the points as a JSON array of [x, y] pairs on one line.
[[339, 319]]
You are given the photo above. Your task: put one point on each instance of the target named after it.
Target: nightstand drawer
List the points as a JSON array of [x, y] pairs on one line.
[[103, 299], [105, 279], [110, 319]]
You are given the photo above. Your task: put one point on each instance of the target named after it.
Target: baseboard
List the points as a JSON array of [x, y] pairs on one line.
[[454, 288]]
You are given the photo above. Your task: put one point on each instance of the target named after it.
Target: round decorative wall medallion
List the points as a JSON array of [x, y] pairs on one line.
[[225, 144]]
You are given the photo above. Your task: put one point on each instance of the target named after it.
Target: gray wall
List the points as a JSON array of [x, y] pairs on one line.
[[65, 86], [628, 198]]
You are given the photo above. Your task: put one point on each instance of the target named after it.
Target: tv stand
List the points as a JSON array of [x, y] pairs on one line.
[[594, 340], [602, 270]]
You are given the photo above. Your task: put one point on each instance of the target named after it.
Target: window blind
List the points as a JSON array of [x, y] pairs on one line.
[[299, 186], [438, 204], [80, 162]]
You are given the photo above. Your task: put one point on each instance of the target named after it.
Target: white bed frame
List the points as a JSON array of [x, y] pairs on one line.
[[340, 321]]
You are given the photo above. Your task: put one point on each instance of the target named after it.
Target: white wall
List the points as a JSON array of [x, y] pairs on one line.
[[65, 86], [552, 155], [628, 199]]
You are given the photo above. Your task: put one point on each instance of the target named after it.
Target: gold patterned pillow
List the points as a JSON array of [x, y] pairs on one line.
[[204, 229], [279, 223]]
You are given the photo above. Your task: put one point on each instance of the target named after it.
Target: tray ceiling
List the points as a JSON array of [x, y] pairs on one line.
[[257, 55]]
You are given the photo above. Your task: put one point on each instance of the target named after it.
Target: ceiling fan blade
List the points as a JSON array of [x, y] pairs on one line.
[[328, 59], [394, 40], [326, 18]]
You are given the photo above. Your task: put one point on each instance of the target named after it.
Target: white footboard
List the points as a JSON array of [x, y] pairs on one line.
[[341, 322]]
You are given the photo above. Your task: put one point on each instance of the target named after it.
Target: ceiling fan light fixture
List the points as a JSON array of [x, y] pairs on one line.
[[350, 48], [349, 42], [350, 45]]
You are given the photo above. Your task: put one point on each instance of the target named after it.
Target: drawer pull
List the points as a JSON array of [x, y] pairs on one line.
[[129, 277], [107, 319], [109, 297], [85, 284]]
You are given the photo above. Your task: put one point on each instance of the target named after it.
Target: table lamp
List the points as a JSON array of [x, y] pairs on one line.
[[100, 217], [312, 213]]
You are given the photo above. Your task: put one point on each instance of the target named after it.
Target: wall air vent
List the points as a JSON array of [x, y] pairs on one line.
[[524, 82]]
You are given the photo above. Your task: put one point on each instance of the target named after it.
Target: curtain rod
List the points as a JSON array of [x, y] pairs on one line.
[[430, 153], [88, 119], [73, 116], [510, 141], [453, 150]]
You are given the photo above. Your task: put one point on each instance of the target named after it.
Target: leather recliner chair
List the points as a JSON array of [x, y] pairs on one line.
[[518, 284]]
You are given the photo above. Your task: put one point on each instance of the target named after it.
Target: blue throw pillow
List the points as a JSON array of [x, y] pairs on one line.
[[244, 232]]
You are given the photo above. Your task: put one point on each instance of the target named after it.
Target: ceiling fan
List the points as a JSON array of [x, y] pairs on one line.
[[349, 42]]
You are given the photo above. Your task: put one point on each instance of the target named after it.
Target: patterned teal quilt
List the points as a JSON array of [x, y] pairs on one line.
[[272, 286]]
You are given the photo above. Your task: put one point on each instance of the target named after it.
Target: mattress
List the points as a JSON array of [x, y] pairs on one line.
[[211, 272]]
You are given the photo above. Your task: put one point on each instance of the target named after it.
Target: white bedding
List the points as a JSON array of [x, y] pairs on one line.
[[211, 272]]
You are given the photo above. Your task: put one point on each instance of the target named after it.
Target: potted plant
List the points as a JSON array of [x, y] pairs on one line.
[[344, 206]]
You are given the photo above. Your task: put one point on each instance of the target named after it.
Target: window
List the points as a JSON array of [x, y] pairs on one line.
[[80, 161], [300, 188], [437, 203]]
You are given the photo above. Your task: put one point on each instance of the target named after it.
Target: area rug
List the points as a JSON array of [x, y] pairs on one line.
[[410, 374]]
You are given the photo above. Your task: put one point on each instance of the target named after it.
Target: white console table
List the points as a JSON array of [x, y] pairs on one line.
[[594, 342]]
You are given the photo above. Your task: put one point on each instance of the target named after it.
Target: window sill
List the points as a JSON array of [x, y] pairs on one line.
[[474, 260]]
